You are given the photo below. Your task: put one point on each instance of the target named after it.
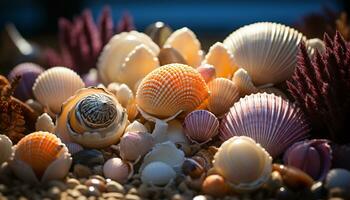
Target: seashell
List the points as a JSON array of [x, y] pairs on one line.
[[191, 51], [91, 78], [44, 123], [170, 55], [36, 106], [273, 122], [158, 32], [5, 149], [317, 44], [92, 118], [244, 82], [41, 156], [312, 156], [201, 126], [174, 134], [273, 90], [222, 59], [205, 157], [136, 126], [223, 94], [192, 168], [158, 174], [74, 148], [118, 170], [267, 51], [337, 178], [207, 71], [89, 158], [216, 186], [56, 85], [293, 177], [167, 153], [242, 154], [123, 93], [134, 145], [170, 89], [127, 58], [28, 72]]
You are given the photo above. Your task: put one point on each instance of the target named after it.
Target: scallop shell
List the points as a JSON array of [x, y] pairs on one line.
[[223, 94], [244, 82], [186, 42], [118, 170], [201, 126], [272, 121], [273, 90], [136, 126], [266, 50], [92, 118], [5, 148], [44, 123], [56, 85], [170, 89], [207, 71], [134, 145], [243, 162], [127, 58], [222, 59], [157, 173], [317, 44]]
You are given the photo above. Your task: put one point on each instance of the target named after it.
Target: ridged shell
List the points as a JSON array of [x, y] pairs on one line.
[[266, 50], [271, 121], [127, 58], [74, 148], [170, 89], [5, 149], [201, 126], [317, 44], [93, 118], [157, 173], [220, 57], [56, 85], [223, 94], [134, 145], [136, 126], [273, 90], [243, 162], [118, 170], [186, 42], [207, 71], [244, 82], [44, 123]]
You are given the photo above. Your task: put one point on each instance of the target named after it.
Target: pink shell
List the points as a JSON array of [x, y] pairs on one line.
[[270, 120], [201, 126]]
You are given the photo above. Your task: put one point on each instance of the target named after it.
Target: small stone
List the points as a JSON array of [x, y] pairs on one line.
[[101, 178], [92, 191], [318, 191], [54, 192], [136, 182], [132, 197], [133, 191], [113, 186], [97, 183], [81, 198], [82, 171], [73, 193], [83, 189], [285, 194], [57, 183], [98, 170], [72, 183], [113, 195], [88, 157], [339, 192]]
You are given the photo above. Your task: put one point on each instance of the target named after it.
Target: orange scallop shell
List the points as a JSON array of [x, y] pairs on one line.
[[170, 89]]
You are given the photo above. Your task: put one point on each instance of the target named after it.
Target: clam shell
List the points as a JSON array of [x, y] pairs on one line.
[[244, 82], [157, 173], [117, 170], [272, 121], [170, 55], [5, 149], [92, 118], [223, 94], [134, 145], [136, 126], [243, 162], [170, 89], [207, 71], [44, 123], [222, 59], [201, 126], [56, 85], [186, 42], [266, 50]]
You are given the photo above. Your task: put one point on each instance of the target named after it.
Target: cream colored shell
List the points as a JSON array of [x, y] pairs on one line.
[[134, 145], [5, 149], [117, 170], [158, 174], [244, 82], [44, 123]]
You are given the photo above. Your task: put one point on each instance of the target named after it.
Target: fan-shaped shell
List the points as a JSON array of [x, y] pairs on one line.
[[170, 89], [266, 50], [201, 126], [317, 44], [272, 121], [93, 118], [44, 123], [127, 58], [186, 42], [56, 85], [244, 82], [243, 162], [223, 94], [5, 148]]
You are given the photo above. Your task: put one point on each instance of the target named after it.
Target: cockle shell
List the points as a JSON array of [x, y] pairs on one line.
[[5, 148], [170, 89], [41, 156], [207, 71], [222, 59], [201, 126], [243, 162], [266, 50], [134, 145], [223, 94], [127, 58], [136, 126], [272, 121], [92, 117], [118, 170], [45, 123], [244, 82], [273, 90], [157, 173], [56, 85], [186, 42]]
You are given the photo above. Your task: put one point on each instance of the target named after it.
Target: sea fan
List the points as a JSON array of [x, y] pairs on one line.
[[321, 87], [82, 40]]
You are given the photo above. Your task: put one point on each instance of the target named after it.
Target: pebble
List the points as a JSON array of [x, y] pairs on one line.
[[88, 157], [132, 197], [92, 191], [113, 186], [73, 193], [318, 191], [72, 183], [113, 195], [97, 183], [339, 192], [98, 170], [285, 194], [81, 171], [83, 189], [54, 192], [101, 178]]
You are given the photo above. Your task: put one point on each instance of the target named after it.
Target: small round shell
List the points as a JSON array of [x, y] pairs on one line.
[[244, 163], [5, 149], [118, 170], [215, 185], [244, 82], [207, 71], [56, 85], [136, 126], [44, 123], [201, 126], [157, 173], [134, 145]]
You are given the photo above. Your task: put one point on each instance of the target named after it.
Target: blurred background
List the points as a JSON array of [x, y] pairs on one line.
[[37, 20]]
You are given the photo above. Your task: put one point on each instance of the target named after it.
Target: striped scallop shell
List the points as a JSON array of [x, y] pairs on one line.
[[201, 126], [223, 94], [56, 85], [271, 121], [266, 50], [170, 89], [244, 82]]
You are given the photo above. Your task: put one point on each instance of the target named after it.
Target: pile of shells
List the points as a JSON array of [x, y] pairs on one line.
[[169, 121]]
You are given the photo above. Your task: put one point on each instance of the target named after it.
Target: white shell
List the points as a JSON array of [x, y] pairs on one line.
[[266, 50], [122, 92], [244, 82], [44, 123], [117, 170], [317, 44], [127, 58], [187, 44], [157, 173], [56, 85], [134, 145], [174, 133], [5, 149], [136, 126]]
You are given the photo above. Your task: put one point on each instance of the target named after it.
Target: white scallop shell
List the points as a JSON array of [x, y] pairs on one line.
[[117, 170], [136, 126], [5, 149], [244, 82], [56, 85], [317, 44], [134, 145], [158, 174], [266, 50], [44, 123], [187, 44]]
